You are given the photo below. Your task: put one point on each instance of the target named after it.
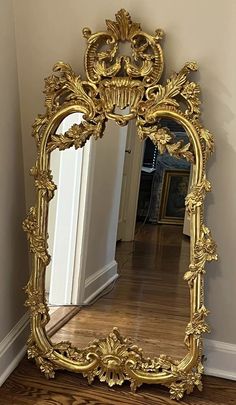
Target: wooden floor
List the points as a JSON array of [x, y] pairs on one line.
[[150, 303], [150, 300], [27, 386]]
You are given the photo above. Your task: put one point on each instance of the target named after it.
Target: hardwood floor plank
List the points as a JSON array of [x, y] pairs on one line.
[[27, 385]]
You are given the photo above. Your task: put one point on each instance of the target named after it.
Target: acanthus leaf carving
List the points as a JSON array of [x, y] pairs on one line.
[[69, 88], [114, 352]]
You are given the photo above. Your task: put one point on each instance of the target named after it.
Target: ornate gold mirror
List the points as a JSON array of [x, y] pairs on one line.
[[123, 90]]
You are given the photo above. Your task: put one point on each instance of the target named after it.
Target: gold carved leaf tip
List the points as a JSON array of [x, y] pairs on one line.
[[62, 67], [159, 34], [86, 32], [209, 140], [123, 28], [193, 66]]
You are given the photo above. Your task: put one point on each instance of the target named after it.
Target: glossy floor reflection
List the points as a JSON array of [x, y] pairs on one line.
[[149, 301]]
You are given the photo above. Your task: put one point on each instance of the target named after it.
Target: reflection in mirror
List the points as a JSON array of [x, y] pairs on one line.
[[119, 241]]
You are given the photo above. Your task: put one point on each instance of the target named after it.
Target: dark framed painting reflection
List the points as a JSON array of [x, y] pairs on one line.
[[174, 190]]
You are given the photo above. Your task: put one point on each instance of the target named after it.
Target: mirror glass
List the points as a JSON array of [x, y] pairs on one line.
[[119, 241]]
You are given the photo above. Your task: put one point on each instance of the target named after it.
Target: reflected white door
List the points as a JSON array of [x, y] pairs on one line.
[[130, 185]]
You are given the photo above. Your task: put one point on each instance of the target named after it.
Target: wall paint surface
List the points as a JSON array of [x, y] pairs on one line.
[[195, 30], [13, 249]]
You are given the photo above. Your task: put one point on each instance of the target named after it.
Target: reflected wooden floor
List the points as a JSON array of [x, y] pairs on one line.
[[150, 300]]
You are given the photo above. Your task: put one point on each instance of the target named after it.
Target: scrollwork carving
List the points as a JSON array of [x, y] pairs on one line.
[[147, 54]]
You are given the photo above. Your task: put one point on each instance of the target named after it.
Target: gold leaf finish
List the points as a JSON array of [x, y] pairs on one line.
[[116, 82], [37, 243], [204, 250], [196, 196]]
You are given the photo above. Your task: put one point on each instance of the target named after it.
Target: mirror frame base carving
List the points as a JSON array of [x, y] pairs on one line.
[[116, 82]]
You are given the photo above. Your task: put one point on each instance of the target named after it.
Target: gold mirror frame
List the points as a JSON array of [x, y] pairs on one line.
[[115, 81]]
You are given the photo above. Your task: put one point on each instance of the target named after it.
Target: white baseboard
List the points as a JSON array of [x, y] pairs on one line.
[[13, 348], [95, 283], [220, 359]]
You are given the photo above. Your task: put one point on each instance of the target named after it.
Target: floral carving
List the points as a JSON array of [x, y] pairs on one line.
[[77, 135], [204, 250], [196, 197], [198, 325], [165, 142], [186, 384], [37, 242], [44, 182], [191, 93], [35, 301]]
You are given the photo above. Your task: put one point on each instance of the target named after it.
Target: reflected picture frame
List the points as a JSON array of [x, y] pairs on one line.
[[174, 191]]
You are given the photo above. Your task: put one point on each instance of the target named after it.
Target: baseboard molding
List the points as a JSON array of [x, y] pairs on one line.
[[13, 348], [97, 282], [60, 317], [220, 359]]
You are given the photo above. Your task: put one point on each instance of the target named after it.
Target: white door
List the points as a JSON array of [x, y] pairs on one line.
[[130, 184]]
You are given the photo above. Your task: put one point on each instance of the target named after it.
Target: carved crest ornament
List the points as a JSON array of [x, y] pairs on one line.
[[115, 82]]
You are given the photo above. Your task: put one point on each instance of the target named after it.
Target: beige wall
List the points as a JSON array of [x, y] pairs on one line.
[[201, 30], [13, 252]]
